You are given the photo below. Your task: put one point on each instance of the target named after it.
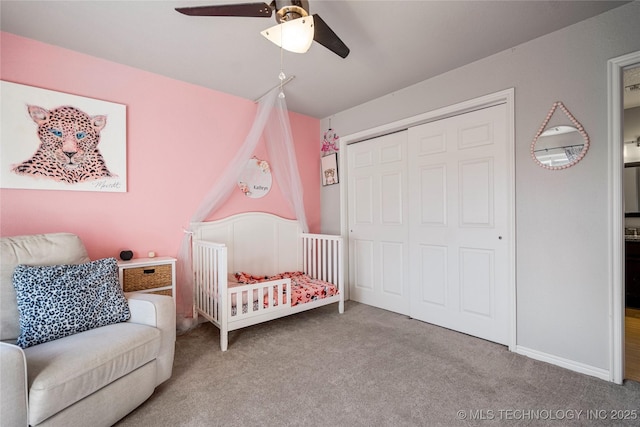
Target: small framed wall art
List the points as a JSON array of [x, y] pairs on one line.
[[58, 141], [330, 169]]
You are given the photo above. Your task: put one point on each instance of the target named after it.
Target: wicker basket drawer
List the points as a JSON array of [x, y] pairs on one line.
[[144, 278], [164, 292]]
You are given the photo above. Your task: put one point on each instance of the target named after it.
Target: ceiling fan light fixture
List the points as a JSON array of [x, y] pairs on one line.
[[295, 35]]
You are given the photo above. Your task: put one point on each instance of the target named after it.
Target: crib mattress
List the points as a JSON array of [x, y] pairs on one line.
[[303, 289]]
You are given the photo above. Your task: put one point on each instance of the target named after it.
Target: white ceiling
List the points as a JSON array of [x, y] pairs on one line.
[[394, 44]]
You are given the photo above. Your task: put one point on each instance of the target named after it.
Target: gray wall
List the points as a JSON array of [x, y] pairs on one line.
[[561, 216]]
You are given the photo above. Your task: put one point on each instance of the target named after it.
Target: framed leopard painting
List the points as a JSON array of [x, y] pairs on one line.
[[58, 141]]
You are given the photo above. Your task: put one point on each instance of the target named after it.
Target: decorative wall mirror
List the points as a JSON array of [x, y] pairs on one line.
[[560, 143]]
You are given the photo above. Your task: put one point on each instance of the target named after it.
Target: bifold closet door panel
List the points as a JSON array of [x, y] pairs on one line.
[[459, 223], [378, 229]]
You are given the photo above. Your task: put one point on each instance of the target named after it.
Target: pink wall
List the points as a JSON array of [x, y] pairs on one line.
[[179, 139]]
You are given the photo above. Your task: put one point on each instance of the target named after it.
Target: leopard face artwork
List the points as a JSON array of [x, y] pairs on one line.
[[68, 150]]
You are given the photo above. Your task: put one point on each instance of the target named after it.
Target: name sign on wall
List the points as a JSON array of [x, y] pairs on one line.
[[255, 181]]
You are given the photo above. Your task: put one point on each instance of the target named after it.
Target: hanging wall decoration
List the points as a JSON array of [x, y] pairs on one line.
[[330, 169], [561, 141], [57, 141], [255, 181], [330, 142]]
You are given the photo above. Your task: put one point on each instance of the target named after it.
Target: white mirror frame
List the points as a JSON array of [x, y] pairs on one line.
[[543, 127]]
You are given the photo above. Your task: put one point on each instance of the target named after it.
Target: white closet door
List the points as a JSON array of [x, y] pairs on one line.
[[459, 222], [378, 232]]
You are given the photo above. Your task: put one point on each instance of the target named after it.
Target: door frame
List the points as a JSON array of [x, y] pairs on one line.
[[507, 97], [615, 67]]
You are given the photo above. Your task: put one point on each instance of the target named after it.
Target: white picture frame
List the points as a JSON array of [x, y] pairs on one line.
[[330, 169], [25, 108]]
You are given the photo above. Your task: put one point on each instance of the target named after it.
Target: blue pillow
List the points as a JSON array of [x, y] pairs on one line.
[[60, 300]]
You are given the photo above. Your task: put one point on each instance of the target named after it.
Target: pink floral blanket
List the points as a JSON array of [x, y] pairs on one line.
[[303, 287]]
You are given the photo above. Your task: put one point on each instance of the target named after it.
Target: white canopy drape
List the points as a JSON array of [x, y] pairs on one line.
[[272, 120]]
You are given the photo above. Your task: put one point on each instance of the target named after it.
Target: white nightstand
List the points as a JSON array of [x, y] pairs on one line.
[[153, 275]]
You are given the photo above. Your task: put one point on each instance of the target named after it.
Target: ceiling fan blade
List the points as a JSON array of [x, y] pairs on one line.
[[327, 38], [258, 10]]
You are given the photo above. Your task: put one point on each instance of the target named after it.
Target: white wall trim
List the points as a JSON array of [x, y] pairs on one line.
[[564, 363], [616, 215], [507, 97], [490, 100]]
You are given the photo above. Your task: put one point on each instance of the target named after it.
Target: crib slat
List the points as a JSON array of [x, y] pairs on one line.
[[308, 267], [323, 262], [213, 284]]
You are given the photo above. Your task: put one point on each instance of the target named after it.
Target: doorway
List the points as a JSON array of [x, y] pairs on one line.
[[615, 71], [631, 154]]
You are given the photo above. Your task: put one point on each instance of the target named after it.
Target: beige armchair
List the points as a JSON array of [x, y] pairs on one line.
[[94, 377]]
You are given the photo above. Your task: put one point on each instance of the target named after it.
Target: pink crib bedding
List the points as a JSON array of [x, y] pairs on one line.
[[303, 288]]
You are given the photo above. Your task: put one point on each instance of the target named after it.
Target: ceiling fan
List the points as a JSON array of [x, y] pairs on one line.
[[287, 11]]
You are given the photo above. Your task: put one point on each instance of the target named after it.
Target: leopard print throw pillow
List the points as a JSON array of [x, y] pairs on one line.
[[61, 300]]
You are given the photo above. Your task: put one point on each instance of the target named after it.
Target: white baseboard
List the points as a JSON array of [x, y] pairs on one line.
[[572, 365]]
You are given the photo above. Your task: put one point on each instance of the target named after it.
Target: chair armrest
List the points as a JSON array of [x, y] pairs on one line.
[[158, 311], [13, 385]]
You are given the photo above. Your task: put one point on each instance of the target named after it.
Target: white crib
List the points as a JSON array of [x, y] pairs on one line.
[[260, 244]]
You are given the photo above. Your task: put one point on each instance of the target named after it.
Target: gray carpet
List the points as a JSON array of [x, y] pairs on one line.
[[370, 367]]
